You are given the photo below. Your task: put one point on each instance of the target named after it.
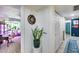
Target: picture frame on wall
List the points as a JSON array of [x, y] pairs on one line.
[[31, 19]]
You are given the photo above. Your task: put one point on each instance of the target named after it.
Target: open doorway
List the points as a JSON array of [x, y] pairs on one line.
[[10, 34]]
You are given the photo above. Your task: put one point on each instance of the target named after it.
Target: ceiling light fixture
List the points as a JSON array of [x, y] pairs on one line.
[[72, 14]]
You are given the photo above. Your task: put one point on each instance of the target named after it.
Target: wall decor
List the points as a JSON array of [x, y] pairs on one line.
[[31, 19]]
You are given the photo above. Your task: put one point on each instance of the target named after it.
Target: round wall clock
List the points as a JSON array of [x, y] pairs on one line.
[[31, 19]]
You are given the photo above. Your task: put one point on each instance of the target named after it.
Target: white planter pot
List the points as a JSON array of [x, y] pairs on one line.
[[37, 50]]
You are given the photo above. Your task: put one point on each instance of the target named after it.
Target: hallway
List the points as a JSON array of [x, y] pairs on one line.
[[43, 29], [64, 44], [10, 32]]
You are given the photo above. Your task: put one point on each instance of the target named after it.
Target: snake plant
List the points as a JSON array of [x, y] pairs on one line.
[[37, 34]]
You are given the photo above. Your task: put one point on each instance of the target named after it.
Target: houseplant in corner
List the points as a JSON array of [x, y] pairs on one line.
[[37, 34]]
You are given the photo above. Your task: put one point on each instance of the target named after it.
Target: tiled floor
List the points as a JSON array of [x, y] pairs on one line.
[[61, 49], [13, 47]]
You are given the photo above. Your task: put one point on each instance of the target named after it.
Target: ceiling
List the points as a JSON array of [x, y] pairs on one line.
[[10, 11], [67, 11], [64, 10], [36, 7]]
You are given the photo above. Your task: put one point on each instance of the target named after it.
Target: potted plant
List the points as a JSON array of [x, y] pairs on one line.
[[37, 34]]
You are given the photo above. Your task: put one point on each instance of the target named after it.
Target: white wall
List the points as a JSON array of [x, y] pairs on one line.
[[45, 18], [27, 38], [59, 28], [22, 29], [48, 41]]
